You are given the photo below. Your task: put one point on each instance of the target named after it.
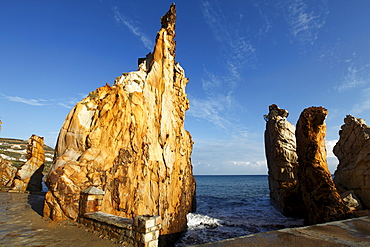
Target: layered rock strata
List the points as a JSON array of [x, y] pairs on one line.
[[7, 172], [320, 197], [352, 151], [129, 141], [282, 161], [29, 175]]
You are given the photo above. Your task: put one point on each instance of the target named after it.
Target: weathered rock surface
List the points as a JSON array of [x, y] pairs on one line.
[[129, 140], [282, 161], [352, 151], [319, 194], [351, 201], [7, 172], [29, 175]]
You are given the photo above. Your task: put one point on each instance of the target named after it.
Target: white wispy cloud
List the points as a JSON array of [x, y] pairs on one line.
[[218, 106], [237, 52], [233, 38], [210, 109], [34, 102], [329, 148], [363, 104], [66, 103], [121, 19], [355, 80], [304, 22], [331, 159], [355, 77], [234, 156]]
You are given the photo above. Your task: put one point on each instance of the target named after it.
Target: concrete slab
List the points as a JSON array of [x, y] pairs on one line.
[[352, 232]]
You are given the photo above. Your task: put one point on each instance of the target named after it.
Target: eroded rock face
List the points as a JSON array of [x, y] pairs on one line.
[[29, 175], [352, 151], [7, 172], [282, 161], [129, 140], [319, 194]]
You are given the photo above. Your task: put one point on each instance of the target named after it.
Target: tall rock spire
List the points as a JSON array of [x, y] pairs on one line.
[[319, 194], [282, 161], [129, 140]]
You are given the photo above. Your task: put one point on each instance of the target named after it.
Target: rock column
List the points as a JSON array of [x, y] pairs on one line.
[[352, 151], [282, 161], [29, 176], [320, 197]]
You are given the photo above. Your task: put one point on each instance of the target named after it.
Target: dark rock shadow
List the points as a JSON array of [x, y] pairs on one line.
[[35, 183], [36, 201]]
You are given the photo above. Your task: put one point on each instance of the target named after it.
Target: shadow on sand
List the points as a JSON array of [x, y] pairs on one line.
[[36, 201]]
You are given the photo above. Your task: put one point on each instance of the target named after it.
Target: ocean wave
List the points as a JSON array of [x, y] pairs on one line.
[[232, 210], [198, 221]]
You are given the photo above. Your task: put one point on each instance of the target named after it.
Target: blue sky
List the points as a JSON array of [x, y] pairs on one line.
[[240, 56]]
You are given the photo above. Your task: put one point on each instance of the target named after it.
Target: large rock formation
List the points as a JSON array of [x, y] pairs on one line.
[[319, 194], [7, 172], [282, 161], [352, 150], [129, 140], [29, 175]]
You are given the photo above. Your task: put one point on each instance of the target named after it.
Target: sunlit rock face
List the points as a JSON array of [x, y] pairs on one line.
[[282, 161], [29, 175], [353, 153], [320, 197], [129, 140], [7, 172]]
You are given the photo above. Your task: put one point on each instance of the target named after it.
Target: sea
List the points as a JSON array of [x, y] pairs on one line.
[[232, 206]]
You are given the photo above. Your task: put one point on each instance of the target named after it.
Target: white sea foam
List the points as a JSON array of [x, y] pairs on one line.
[[229, 207], [199, 221]]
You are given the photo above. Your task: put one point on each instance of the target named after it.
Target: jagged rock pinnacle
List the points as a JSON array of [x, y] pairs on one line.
[[129, 141]]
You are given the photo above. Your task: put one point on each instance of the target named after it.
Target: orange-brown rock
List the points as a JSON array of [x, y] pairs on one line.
[[29, 175], [320, 197], [282, 162], [129, 140], [353, 153], [7, 172]]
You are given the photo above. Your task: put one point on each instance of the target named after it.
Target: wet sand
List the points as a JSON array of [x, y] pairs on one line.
[[22, 224]]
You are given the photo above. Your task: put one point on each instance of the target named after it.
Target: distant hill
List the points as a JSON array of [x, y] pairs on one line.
[[15, 150]]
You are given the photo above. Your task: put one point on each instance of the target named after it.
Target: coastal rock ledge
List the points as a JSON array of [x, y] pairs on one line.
[[129, 141]]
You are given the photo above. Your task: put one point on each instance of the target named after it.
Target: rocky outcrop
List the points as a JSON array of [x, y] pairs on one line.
[[282, 161], [29, 175], [129, 141], [352, 151], [7, 172], [320, 197]]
